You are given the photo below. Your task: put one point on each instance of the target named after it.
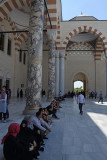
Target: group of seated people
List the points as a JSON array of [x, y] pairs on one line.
[[24, 141]]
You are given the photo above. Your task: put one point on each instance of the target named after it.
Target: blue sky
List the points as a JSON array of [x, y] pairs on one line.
[[96, 8]]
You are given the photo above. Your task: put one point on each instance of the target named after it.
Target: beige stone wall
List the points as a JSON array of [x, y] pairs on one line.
[[101, 76], [86, 65], [67, 27], [10, 67], [59, 10], [20, 70], [75, 65]]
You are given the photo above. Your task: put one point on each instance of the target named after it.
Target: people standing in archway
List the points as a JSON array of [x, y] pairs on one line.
[[95, 94], [81, 101], [92, 94], [21, 93], [86, 93], [18, 93]]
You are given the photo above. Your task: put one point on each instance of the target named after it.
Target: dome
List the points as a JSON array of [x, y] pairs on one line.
[[83, 18]]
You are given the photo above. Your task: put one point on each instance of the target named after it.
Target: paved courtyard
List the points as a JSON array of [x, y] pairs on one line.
[[73, 137]]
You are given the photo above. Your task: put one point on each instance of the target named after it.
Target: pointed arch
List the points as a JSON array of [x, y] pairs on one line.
[[88, 29]]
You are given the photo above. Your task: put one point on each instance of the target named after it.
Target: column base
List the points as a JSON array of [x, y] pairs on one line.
[[30, 110]]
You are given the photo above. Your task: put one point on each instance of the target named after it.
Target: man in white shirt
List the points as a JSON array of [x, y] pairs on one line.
[[40, 123], [81, 101]]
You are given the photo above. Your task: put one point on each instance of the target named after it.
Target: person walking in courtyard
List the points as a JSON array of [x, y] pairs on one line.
[[81, 101], [100, 97]]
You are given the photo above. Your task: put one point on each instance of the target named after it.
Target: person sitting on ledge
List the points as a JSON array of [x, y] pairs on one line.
[[12, 148], [35, 132], [52, 110], [40, 124]]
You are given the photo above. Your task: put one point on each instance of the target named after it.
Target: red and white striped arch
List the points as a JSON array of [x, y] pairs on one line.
[[18, 39], [53, 13], [84, 29], [10, 5]]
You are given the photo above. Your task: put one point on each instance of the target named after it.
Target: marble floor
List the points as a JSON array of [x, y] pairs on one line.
[[73, 136]]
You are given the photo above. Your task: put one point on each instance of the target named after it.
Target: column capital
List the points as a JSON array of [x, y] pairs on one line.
[[52, 34], [62, 53], [57, 54]]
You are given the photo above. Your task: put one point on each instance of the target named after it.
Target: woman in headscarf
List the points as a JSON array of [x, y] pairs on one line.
[[9, 141], [3, 104], [26, 138], [25, 135], [13, 149]]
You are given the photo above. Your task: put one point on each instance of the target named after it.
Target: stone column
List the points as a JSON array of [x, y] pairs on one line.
[[57, 74], [62, 70], [51, 63], [34, 75]]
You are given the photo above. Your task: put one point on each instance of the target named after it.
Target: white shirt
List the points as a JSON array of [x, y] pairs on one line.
[[40, 123], [3, 106], [80, 99]]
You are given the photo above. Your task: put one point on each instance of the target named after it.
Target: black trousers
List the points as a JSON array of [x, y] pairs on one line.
[[4, 116], [100, 99], [80, 107]]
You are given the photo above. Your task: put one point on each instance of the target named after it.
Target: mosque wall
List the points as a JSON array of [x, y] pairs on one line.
[[10, 67], [21, 71], [15, 71], [74, 65], [101, 76], [59, 10], [7, 61], [67, 27]]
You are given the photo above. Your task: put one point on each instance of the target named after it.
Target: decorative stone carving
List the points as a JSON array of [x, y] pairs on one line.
[[51, 70], [52, 33], [57, 74]]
